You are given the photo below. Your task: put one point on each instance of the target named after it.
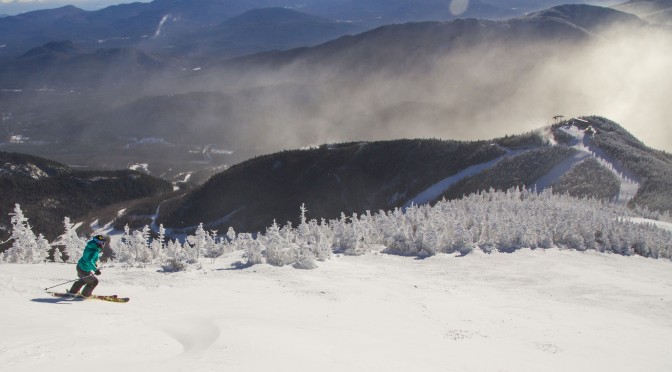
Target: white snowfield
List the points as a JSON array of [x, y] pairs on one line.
[[532, 310]]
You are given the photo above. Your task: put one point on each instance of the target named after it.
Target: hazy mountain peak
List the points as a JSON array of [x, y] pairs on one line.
[[588, 17], [52, 14], [656, 11], [53, 48], [20, 165], [65, 46]]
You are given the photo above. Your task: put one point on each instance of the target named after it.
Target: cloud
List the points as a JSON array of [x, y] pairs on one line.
[[457, 7], [480, 92]]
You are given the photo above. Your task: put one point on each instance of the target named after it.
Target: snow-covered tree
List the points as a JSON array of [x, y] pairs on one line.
[[213, 246], [72, 243], [489, 220], [25, 247], [158, 246], [279, 250], [42, 250], [58, 255], [198, 241], [123, 250], [252, 247], [140, 246]]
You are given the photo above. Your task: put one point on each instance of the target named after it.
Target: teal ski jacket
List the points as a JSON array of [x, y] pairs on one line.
[[89, 257]]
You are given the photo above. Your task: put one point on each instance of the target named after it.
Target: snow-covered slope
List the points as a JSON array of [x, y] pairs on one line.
[[629, 184], [541, 310], [580, 141], [433, 192]]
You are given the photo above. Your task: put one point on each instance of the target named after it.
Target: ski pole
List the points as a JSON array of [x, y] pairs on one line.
[[67, 282]]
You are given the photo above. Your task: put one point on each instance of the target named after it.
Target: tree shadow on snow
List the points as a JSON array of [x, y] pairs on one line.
[[238, 265], [415, 256]]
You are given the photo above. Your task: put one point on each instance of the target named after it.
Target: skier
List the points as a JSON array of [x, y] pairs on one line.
[[86, 266]]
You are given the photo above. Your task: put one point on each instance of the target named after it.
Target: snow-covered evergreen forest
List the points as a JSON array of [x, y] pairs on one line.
[[492, 220]]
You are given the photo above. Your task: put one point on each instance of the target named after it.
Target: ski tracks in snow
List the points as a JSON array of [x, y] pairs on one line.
[[195, 336]]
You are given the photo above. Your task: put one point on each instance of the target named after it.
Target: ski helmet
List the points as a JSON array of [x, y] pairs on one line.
[[100, 239]]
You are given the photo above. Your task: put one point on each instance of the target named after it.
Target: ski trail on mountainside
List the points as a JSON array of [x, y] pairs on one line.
[[559, 170], [629, 185], [434, 191]]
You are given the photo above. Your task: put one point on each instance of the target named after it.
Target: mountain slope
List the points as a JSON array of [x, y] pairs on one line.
[[378, 12], [357, 177], [657, 11], [652, 169], [351, 177], [589, 17], [64, 65], [409, 46], [48, 191], [254, 31]]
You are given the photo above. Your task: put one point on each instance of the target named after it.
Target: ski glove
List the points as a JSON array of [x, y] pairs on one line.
[[97, 272]]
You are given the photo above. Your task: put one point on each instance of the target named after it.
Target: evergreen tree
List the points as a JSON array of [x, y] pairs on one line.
[[158, 246], [57, 255], [123, 250], [42, 248], [24, 247], [72, 243], [199, 241]]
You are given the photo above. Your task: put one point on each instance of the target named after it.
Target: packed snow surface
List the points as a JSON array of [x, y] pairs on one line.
[[532, 310]]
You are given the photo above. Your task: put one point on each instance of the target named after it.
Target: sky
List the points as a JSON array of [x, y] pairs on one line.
[[12, 7]]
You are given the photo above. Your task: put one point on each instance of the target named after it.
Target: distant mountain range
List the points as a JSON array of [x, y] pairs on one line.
[[156, 26], [68, 64], [66, 59], [404, 46], [62, 96], [161, 24]]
